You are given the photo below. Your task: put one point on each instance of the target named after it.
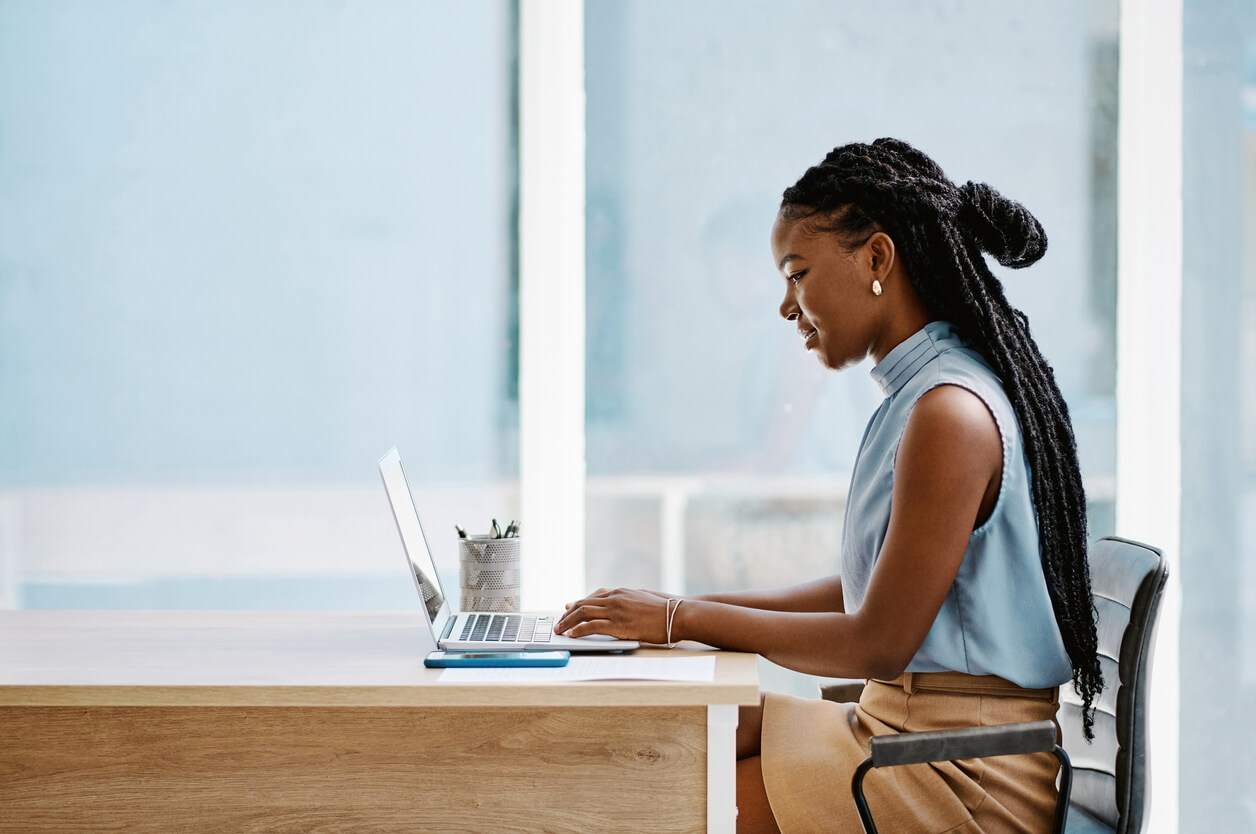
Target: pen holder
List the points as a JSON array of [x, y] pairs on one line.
[[488, 573]]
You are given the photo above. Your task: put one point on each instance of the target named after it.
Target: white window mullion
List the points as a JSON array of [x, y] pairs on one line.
[[551, 301], [1149, 347]]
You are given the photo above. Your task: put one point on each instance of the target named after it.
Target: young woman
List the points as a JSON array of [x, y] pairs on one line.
[[964, 594]]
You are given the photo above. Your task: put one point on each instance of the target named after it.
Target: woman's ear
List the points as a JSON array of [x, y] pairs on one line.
[[880, 249]]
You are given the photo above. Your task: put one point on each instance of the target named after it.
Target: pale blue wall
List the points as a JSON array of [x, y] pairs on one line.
[[247, 242], [701, 113]]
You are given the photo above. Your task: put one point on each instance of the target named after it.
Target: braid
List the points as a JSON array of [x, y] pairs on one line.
[[940, 232]]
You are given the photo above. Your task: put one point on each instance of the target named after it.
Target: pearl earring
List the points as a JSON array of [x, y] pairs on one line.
[[876, 287]]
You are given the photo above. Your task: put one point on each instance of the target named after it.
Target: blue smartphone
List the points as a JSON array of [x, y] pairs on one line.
[[446, 660]]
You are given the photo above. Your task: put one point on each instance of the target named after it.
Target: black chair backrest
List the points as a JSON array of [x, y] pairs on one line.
[[1110, 774]]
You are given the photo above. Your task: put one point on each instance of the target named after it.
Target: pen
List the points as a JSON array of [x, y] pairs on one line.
[[496, 532], [462, 534]]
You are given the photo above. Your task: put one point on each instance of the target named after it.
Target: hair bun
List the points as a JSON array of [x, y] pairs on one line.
[[1002, 227]]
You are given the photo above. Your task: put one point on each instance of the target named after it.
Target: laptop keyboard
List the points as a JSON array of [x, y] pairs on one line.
[[507, 628]]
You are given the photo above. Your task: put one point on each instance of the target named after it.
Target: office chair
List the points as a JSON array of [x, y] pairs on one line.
[[1104, 790]]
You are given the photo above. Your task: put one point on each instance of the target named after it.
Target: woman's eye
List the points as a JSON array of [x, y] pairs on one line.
[[797, 276]]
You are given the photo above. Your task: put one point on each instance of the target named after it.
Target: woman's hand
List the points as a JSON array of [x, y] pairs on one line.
[[623, 613]]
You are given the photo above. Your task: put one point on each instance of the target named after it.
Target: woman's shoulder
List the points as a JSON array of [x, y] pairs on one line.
[[960, 364], [959, 394], [959, 382], [949, 422]]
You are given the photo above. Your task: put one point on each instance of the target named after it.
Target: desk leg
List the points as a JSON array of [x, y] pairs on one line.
[[721, 768]]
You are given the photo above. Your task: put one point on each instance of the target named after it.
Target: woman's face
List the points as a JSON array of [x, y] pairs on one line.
[[828, 293]]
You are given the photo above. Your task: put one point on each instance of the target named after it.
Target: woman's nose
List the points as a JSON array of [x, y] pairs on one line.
[[789, 307]]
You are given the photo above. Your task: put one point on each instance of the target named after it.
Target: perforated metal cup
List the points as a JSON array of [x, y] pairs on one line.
[[488, 573]]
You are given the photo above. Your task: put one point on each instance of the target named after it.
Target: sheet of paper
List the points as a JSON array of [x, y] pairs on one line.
[[581, 668]]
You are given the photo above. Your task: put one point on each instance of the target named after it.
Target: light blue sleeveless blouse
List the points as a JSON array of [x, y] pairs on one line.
[[997, 618]]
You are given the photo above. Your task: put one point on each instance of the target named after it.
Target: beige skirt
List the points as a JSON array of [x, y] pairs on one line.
[[811, 748]]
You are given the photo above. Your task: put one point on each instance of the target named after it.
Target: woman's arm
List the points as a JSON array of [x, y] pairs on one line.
[[947, 475], [819, 595]]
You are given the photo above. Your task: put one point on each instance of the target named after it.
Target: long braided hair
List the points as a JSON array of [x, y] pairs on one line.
[[940, 231]]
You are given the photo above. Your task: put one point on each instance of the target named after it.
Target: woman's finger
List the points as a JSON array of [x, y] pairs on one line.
[[579, 612], [587, 627], [591, 599]]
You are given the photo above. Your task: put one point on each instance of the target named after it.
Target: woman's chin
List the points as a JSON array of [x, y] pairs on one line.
[[837, 363]]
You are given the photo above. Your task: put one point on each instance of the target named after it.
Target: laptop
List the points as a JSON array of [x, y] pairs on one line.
[[471, 630]]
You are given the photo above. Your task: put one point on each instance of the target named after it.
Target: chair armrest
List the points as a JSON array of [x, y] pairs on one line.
[[963, 743]]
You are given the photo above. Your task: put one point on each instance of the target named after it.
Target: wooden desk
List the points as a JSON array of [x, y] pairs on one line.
[[327, 721]]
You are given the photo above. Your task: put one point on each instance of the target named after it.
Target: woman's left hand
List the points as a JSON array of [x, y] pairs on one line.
[[623, 613]]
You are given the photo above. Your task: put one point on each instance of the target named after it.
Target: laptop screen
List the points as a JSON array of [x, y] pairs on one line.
[[412, 538]]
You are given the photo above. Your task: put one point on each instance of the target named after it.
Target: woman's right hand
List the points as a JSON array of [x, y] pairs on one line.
[[620, 612]]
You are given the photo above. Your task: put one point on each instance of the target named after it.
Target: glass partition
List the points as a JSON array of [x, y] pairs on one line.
[[718, 451], [244, 250], [1218, 553]]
